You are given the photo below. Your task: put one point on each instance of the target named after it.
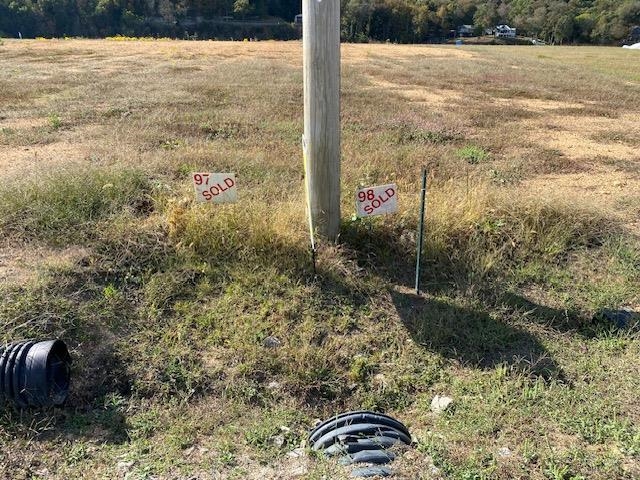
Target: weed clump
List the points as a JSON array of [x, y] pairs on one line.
[[406, 134], [55, 122], [487, 222], [473, 154]]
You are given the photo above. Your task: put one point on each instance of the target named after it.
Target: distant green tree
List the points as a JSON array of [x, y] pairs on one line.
[[242, 8], [629, 13], [486, 15], [560, 18], [356, 19], [559, 21], [423, 24]]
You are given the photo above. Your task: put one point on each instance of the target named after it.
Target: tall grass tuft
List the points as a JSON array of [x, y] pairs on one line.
[[476, 236], [63, 205], [490, 219], [248, 232]]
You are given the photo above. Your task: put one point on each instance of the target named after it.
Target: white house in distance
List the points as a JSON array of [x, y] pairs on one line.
[[504, 31], [465, 30]]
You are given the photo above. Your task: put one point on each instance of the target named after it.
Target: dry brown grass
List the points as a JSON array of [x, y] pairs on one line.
[[124, 84], [175, 298]]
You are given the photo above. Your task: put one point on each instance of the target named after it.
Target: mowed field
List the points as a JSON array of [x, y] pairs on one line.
[[533, 227]]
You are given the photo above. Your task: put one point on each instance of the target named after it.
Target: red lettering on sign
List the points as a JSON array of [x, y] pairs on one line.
[[200, 178], [209, 186], [380, 200], [370, 200]]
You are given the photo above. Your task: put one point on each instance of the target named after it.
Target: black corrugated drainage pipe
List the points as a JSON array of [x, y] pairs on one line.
[[35, 373], [361, 437]]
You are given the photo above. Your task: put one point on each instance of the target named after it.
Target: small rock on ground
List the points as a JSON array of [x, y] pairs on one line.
[[504, 452], [440, 403], [271, 342]]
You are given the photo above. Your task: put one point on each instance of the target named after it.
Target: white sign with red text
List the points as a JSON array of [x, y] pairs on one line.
[[378, 200], [215, 187]]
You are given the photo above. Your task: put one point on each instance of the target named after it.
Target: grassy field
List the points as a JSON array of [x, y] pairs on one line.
[[533, 227]]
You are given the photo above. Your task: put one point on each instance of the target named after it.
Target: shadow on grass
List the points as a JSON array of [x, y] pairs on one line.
[[560, 320], [103, 425], [472, 336], [477, 333]]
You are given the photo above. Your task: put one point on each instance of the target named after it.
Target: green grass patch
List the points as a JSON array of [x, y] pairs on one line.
[[55, 122], [473, 154]]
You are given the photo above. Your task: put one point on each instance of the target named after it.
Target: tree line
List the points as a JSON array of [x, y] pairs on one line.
[[405, 21]]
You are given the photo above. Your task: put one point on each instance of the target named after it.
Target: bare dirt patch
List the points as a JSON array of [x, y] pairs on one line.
[[578, 145], [18, 161], [352, 53], [601, 189], [417, 93], [585, 136], [538, 105], [22, 122], [22, 264]]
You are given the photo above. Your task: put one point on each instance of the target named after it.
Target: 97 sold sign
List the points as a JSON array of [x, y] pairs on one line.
[[215, 187], [377, 200]]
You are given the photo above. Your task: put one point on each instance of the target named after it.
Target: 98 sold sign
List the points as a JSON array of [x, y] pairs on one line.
[[215, 187], [377, 200]]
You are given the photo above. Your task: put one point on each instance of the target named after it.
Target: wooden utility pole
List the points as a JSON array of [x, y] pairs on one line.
[[321, 143]]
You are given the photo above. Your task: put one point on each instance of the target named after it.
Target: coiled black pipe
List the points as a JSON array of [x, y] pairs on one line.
[[354, 418], [360, 437], [354, 445], [350, 433], [35, 373]]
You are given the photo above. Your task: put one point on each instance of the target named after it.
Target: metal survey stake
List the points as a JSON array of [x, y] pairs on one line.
[[423, 195]]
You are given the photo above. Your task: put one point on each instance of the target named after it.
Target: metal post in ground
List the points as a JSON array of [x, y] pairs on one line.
[[423, 195]]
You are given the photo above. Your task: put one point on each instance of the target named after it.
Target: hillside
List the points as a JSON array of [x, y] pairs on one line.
[[403, 21]]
